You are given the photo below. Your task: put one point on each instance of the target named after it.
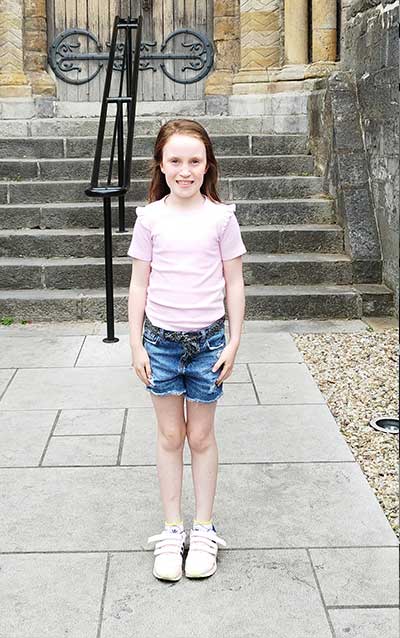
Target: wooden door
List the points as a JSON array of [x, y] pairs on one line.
[[160, 18]]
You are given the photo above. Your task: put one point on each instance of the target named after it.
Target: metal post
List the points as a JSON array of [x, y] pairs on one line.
[[121, 166], [109, 272]]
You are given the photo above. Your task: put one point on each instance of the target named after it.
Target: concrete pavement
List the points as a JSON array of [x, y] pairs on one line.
[[310, 553]]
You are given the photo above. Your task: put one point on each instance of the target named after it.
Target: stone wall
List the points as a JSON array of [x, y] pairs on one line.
[[354, 127], [371, 50]]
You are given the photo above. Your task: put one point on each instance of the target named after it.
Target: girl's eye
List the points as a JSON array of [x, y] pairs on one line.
[[195, 161]]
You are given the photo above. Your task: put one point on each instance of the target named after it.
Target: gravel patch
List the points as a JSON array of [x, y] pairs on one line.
[[358, 376]]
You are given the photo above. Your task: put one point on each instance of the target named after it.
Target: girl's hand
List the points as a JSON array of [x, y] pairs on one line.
[[141, 363], [227, 358]]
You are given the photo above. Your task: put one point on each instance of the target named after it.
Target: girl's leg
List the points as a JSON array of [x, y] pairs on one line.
[[203, 446], [170, 443]]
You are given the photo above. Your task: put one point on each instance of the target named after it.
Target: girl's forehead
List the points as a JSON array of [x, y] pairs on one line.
[[184, 145]]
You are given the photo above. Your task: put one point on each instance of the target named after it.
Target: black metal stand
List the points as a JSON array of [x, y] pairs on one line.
[[129, 73], [109, 271]]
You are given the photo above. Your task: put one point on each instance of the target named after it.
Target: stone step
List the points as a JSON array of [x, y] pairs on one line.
[[254, 188], [215, 125], [262, 302], [233, 166], [279, 269], [82, 242], [81, 147], [90, 213]]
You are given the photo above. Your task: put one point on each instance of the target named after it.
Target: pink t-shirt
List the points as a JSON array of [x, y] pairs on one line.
[[186, 249]]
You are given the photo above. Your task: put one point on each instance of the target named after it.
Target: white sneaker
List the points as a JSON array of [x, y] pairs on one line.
[[201, 560], [169, 553]]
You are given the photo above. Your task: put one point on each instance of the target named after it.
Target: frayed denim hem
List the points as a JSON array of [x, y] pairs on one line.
[[165, 394], [199, 401]]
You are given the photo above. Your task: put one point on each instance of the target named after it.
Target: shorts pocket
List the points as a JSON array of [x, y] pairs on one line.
[[216, 341], [150, 337]]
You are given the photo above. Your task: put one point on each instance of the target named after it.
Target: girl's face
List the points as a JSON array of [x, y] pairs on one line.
[[184, 164]]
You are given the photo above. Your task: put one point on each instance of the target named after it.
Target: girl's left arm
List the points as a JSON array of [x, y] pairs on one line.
[[235, 298]]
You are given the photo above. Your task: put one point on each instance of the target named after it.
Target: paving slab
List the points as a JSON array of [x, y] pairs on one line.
[[357, 576], [253, 347], [83, 388], [51, 595], [23, 436], [82, 450], [276, 589], [365, 623], [113, 508], [284, 383], [39, 351], [5, 377], [94, 421], [274, 434], [61, 388]]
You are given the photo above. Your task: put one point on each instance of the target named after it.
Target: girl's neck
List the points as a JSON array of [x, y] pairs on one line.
[[196, 201]]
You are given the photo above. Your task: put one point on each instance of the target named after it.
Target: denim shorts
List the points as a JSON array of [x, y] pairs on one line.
[[182, 362]]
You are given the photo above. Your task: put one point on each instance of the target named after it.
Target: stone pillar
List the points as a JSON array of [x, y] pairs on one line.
[[259, 35], [35, 47], [227, 47], [324, 30], [296, 31], [13, 81]]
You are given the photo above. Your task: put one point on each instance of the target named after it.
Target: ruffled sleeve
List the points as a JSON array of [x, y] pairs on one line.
[[141, 246], [230, 239]]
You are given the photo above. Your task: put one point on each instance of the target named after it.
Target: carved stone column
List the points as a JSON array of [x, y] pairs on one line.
[[259, 34], [296, 31], [13, 81], [324, 30]]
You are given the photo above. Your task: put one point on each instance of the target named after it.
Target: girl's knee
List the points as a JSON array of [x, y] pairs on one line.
[[172, 437]]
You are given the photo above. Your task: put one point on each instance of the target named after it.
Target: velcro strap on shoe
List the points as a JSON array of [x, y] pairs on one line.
[[204, 535], [201, 541]]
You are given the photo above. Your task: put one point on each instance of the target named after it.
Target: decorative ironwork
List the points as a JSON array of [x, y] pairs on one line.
[[66, 56]]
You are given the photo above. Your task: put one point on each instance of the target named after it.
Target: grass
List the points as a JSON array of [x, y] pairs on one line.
[[8, 321]]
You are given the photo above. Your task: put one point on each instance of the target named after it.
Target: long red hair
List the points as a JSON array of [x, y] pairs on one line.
[[158, 186]]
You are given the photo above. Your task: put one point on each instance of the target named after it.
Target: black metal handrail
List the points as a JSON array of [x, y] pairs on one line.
[[128, 83]]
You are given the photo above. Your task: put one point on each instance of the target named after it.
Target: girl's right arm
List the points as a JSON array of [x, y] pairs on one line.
[[136, 307]]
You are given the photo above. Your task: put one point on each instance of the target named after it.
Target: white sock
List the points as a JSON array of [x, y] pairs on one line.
[[175, 526], [205, 524]]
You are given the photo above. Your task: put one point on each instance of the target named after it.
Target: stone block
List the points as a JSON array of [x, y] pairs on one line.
[[19, 217], [224, 8], [352, 169], [35, 8], [227, 54], [289, 187], [248, 105], [17, 108], [219, 83], [362, 239], [217, 105], [226, 28], [290, 124], [19, 276], [367, 271]]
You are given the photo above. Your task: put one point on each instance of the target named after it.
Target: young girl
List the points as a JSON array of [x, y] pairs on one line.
[[186, 248]]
